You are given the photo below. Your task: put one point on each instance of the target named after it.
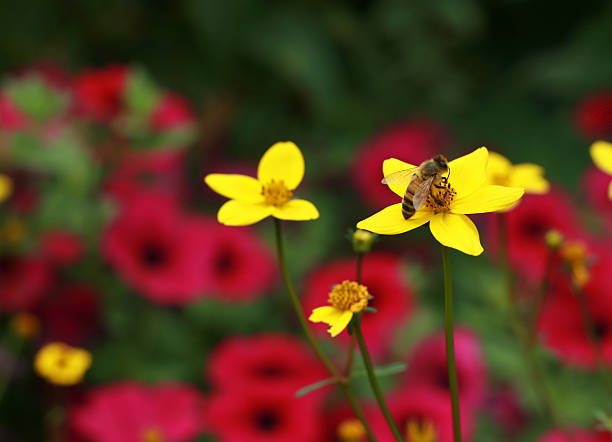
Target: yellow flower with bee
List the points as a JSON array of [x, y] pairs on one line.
[[441, 193], [279, 173], [601, 153]]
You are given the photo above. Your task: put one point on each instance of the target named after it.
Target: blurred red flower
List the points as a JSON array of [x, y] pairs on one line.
[[412, 141], [172, 112], [382, 274], [151, 244], [274, 360], [69, 314], [24, 281], [259, 413], [155, 171], [427, 366], [98, 92], [562, 325], [594, 115], [421, 406], [129, 412], [504, 407], [237, 264], [11, 118], [61, 247], [595, 184], [527, 225], [576, 436]]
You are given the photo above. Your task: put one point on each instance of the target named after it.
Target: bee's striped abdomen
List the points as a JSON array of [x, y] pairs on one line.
[[407, 205]]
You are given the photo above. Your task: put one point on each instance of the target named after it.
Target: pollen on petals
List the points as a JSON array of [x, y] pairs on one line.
[[276, 193], [349, 296]]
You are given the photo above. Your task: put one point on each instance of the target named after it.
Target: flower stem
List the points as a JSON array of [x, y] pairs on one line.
[[351, 351], [450, 345], [367, 361], [341, 381]]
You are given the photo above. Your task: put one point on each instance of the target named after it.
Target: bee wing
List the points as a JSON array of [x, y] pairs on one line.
[[400, 177], [422, 193]]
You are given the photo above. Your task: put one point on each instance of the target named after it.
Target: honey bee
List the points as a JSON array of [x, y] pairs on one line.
[[421, 181]]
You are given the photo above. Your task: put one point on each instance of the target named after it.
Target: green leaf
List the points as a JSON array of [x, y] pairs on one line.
[[35, 98], [312, 387]]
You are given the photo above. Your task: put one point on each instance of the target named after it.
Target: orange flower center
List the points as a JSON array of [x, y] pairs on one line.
[[351, 430], [349, 296], [441, 196], [418, 430], [152, 435], [276, 193]]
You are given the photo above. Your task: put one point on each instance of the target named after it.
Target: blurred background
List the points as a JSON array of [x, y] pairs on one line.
[[111, 114]]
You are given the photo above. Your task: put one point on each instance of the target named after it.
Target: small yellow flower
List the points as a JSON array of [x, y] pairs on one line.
[[601, 153], [61, 364], [351, 430], [25, 325], [280, 171], [6, 187], [346, 299], [554, 239], [417, 431], [467, 192], [501, 172], [574, 254]]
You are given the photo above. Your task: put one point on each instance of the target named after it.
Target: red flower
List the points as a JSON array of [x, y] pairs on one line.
[[129, 412], [152, 247], [594, 115], [412, 140], [238, 266], [61, 247], [69, 314], [272, 360], [382, 274], [24, 281], [427, 366], [262, 414], [155, 171], [420, 405], [576, 435], [11, 118], [527, 226], [595, 188], [562, 325], [504, 407], [99, 91], [172, 112]]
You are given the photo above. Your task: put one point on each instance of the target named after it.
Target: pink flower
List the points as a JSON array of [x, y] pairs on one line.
[[129, 412], [11, 118], [24, 282], [576, 435], [415, 140], [61, 247], [99, 92], [594, 115], [504, 407], [172, 112]]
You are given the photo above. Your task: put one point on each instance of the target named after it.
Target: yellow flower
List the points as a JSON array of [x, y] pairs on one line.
[[420, 431], [280, 171], [346, 299], [502, 172], [61, 364], [351, 430], [6, 187], [601, 152], [467, 192]]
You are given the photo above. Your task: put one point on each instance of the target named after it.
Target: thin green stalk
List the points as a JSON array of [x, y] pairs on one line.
[[367, 361], [297, 307], [450, 345], [351, 351]]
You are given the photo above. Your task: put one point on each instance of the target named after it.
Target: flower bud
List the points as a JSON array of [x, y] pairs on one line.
[[554, 239], [362, 241]]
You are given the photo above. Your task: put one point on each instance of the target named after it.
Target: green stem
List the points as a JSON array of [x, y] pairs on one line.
[[367, 361], [297, 307], [450, 345], [351, 351]]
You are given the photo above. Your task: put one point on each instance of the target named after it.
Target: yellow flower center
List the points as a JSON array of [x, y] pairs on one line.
[[276, 193], [420, 431], [351, 430], [440, 197], [349, 296], [152, 435]]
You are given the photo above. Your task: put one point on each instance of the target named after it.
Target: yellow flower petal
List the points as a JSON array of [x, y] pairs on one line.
[[528, 176], [237, 187], [6, 187], [469, 172], [337, 319], [296, 210], [487, 199], [498, 166], [457, 232], [390, 221], [393, 165], [283, 161], [238, 213], [601, 152]]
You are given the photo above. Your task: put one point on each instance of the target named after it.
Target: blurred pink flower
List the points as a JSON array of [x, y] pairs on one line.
[[172, 112], [576, 435], [413, 141], [98, 92], [594, 115], [24, 281], [11, 118], [504, 407], [61, 247], [129, 412]]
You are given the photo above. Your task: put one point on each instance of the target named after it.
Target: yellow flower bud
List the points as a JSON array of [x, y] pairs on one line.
[[61, 364]]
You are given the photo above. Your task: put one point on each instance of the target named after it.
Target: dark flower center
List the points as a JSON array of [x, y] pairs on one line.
[[224, 262], [535, 228], [442, 379], [267, 420], [271, 371], [153, 255], [601, 329]]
